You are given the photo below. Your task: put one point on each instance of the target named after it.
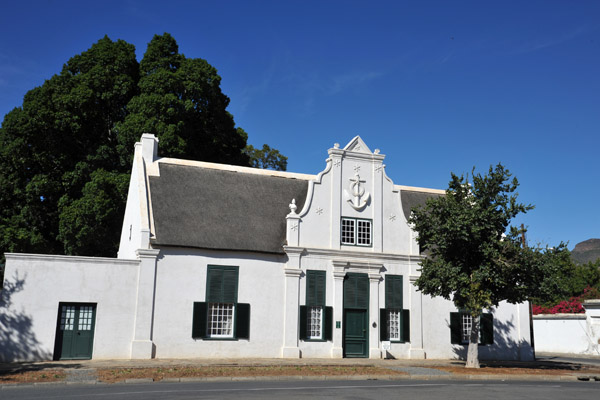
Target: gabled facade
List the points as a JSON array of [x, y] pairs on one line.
[[224, 261]]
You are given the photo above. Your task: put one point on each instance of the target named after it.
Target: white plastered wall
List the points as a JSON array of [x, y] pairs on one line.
[[136, 229], [563, 333], [511, 332], [34, 286], [328, 200], [181, 281], [324, 262]]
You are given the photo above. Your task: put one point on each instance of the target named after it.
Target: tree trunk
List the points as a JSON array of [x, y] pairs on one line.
[[473, 351]]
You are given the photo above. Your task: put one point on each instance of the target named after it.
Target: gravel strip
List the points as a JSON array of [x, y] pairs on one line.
[[419, 370], [83, 375]]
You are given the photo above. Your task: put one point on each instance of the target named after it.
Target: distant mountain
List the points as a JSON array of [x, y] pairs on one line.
[[586, 251]]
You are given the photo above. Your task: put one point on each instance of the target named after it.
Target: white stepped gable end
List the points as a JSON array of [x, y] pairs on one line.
[[357, 145]]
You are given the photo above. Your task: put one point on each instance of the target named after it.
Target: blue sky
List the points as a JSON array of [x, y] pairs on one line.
[[438, 86]]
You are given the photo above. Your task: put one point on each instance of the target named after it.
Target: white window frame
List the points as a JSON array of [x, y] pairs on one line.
[[394, 328], [314, 322], [466, 324], [220, 325], [350, 222], [364, 238]]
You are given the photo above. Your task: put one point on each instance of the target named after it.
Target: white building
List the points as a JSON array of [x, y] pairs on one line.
[[224, 261]]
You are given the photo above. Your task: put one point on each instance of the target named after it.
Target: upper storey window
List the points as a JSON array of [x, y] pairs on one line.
[[356, 232]]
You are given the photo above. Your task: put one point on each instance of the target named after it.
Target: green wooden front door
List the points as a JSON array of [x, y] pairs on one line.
[[75, 331], [355, 334], [356, 315]]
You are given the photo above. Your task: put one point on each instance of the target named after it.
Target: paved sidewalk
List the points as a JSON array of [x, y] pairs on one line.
[[85, 371]]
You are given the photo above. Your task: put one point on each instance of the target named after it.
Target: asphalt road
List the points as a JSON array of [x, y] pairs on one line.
[[292, 390], [569, 358]]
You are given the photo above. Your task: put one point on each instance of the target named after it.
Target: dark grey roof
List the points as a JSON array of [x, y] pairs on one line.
[[411, 199], [216, 209]]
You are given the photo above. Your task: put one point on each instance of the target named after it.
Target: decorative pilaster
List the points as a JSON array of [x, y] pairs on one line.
[[416, 320], [142, 346], [374, 350], [339, 272], [291, 303], [335, 155], [293, 225]]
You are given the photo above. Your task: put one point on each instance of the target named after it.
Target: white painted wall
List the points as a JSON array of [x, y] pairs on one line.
[[131, 230], [511, 332], [181, 281], [125, 290], [314, 260], [327, 202], [34, 285], [137, 222], [562, 333]]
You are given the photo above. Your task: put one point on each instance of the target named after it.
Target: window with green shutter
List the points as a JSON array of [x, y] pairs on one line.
[[315, 317], [394, 320], [221, 316], [460, 328]]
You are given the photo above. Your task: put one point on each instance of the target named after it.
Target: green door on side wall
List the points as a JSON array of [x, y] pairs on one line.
[[75, 331], [356, 315]]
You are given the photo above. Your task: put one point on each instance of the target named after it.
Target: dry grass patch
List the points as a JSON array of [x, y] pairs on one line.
[[48, 375], [120, 374]]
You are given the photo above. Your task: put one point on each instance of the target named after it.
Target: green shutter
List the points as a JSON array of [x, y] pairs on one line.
[[455, 328], [302, 333], [362, 292], [487, 328], [214, 285], [315, 288], [349, 292], [242, 321], [199, 321], [221, 284], [230, 285], [405, 326], [384, 333], [328, 333], [356, 291], [393, 291]]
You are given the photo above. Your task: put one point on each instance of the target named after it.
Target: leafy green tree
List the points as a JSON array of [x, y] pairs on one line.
[[570, 278], [65, 154], [50, 146], [266, 158], [181, 102], [470, 259], [584, 275]]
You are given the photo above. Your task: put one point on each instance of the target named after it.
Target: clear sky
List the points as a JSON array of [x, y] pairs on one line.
[[438, 86]]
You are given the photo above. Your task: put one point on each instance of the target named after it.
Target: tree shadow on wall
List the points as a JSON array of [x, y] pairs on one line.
[[17, 339], [505, 351]]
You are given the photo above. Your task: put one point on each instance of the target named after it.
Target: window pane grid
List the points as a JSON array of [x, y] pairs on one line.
[[357, 232], [67, 318], [394, 324], [315, 315], [220, 319], [467, 323], [348, 231], [85, 318], [364, 233]]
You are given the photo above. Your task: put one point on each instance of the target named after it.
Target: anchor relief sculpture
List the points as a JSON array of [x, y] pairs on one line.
[[357, 197]]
